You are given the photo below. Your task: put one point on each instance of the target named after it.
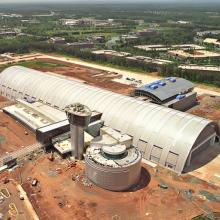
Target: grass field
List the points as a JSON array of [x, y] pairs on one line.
[[39, 63], [33, 64]]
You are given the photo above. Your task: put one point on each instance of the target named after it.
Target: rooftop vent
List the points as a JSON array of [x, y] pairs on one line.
[[153, 87], [162, 83], [180, 96], [171, 79]]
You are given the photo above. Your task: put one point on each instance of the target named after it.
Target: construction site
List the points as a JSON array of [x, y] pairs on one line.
[[78, 139], [14, 136], [92, 76]]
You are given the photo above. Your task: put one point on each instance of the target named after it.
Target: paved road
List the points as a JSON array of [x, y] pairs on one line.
[[139, 76], [20, 58]]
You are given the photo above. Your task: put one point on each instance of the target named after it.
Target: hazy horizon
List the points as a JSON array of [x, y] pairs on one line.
[[107, 2]]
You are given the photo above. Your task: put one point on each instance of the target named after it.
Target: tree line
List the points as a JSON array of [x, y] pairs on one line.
[[164, 70]]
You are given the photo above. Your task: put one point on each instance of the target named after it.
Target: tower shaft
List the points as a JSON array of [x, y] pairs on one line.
[[77, 141]]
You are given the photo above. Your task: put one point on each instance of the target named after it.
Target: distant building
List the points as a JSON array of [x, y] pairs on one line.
[[33, 21], [71, 22], [199, 54], [161, 47], [81, 45], [172, 92], [102, 23], [99, 39], [76, 22], [198, 68], [111, 20], [87, 22], [139, 22], [128, 37], [146, 32], [158, 47], [57, 40], [188, 47], [8, 34], [10, 15], [154, 25], [111, 53], [211, 32], [143, 59], [183, 22]]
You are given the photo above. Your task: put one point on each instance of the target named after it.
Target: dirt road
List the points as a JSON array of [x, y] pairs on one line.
[[144, 77], [57, 196]]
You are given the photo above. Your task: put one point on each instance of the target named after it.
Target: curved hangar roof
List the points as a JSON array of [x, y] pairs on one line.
[[162, 134]]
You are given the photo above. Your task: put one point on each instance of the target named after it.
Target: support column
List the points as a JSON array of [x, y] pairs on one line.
[[79, 118]]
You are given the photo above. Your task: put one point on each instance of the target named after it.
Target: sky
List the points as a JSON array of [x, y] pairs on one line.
[[104, 1]]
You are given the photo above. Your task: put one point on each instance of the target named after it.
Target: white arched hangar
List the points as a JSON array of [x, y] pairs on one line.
[[165, 136]]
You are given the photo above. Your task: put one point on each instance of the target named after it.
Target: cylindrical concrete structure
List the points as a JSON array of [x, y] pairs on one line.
[[163, 135], [79, 117], [113, 174]]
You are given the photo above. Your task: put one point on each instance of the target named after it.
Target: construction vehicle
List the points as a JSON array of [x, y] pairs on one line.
[[34, 182], [5, 180], [70, 165], [51, 156]]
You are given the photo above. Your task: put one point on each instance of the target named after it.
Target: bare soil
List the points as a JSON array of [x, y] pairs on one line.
[[92, 76], [4, 102], [57, 196], [12, 135], [23, 213], [208, 107]]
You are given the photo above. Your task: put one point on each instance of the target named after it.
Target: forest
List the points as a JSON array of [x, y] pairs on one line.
[[36, 24]]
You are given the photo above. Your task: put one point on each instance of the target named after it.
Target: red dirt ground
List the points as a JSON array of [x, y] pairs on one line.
[[58, 197], [209, 107], [92, 76], [23, 213], [5, 102], [12, 135], [3, 99]]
